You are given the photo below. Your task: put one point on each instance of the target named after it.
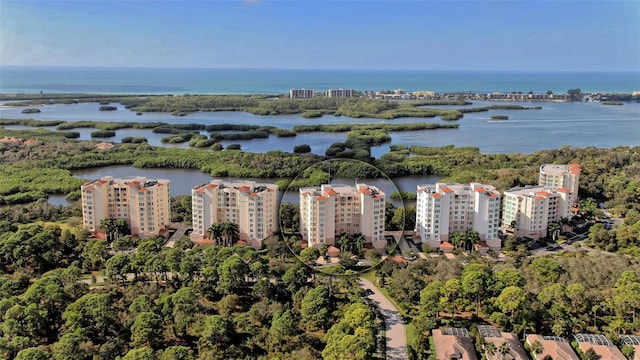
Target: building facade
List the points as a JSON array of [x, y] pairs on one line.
[[301, 93], [253, 206], [561, 176], [528, 211], [331, 210], [339, 93], [143, 203], [445, 208]]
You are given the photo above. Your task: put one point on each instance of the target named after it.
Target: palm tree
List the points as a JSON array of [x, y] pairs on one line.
[[458, 239], [231, 233], [564, 221], [536, 347], [504, 349], [121, 228], [108, 225], [490, 349], [215, 233], [359, 242], [554, 228], [343, 242], [470, 237]]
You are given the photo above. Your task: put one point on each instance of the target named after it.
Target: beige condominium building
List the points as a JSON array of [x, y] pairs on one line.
[[251, 205], [143, 203], [339, 93], [561, 176], [301, 93], [445, 208], [331, 210], [528, 211]]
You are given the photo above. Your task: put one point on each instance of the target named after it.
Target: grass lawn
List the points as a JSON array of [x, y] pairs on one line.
[[63, 225]]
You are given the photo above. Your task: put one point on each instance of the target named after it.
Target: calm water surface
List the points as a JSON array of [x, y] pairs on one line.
[[526, 131], [21, 79]]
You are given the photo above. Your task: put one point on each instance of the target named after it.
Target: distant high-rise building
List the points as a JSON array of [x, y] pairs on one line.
[[143, 203], [446, 208], [301, 93], [554, 176], [342, 93], [331, 210], [251, 205], [528, 211]]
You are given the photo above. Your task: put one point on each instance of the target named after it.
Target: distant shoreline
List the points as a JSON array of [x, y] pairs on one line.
[[211, 81]]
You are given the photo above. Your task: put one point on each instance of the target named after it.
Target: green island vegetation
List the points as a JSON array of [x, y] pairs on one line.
[[31, 122], [181, 105], [107, 108], [499, 117], [103, 134], [611, 102], [31, 111], [403, 195], [66, 295], [134, 140], [302, 149]]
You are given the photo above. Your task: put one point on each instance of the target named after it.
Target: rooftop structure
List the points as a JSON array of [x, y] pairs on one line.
[[453, 344], [251, 205], [634, 342], [143, 203], [554, 346], [600, 344], [494, 336]]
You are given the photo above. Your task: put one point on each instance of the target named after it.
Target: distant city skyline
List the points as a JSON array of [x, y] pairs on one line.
[[390, 35]]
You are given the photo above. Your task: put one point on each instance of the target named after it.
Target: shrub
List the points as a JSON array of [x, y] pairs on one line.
[[103, 134], [302, 149], [71, 134]]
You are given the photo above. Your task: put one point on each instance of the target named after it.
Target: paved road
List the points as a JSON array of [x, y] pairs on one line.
[[394, 326], [181, 229]]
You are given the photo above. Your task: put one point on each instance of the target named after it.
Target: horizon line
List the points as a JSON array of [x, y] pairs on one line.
[[313, 69]]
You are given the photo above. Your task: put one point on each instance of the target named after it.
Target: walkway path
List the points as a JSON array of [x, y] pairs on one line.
[[394, 326]]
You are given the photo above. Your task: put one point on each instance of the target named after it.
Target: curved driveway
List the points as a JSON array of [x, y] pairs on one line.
[[395, 332]]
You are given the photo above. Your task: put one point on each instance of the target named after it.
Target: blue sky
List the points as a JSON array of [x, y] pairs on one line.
[[424, 35]]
